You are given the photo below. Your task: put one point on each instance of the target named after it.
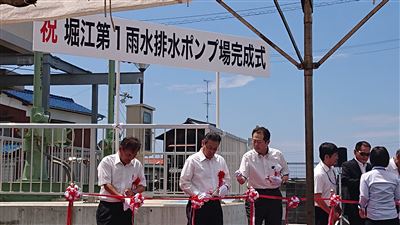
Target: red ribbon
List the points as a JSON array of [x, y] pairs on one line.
[[292, 203], [251, 196], [221, 175], [135, 203], [197, 203], [72, 194], [334, 200]]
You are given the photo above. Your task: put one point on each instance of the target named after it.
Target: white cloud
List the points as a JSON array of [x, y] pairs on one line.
[[377, 134], [379, 119], [225, 82]]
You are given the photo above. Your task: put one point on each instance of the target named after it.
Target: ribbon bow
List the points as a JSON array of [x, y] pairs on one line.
[[251, 196], [197, 202], [334, 201], [71, 194], [293, 202], [135, 202]]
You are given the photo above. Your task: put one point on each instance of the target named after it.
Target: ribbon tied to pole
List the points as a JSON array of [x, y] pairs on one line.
[[334, 202], [71, 194], [135, 203], [292, 203], [251, 197]]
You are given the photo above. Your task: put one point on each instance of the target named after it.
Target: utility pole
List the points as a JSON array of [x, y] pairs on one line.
[[308, 66], [207, 94]]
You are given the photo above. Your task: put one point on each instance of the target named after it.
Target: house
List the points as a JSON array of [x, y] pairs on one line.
[[178, 142], [16, 105]]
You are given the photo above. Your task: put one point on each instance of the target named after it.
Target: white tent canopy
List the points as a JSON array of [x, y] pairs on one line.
[[48, 9]]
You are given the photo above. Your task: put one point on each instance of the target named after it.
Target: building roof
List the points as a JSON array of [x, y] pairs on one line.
[[193, 121], [188, 121], [55, 101]]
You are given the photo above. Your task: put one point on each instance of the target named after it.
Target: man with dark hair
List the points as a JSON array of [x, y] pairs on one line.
[[379, 190], [394, 164], [351, 173], [325, 182], [119, 174], [205, 174], [265, 169]]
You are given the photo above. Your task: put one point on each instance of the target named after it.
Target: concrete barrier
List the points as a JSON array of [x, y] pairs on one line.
[[156, 212]]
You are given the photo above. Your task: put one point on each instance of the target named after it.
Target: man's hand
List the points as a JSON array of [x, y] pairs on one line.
[[128, 192], [240, 178], [223, 190], [204, 196], [285, 179], [362, 213]]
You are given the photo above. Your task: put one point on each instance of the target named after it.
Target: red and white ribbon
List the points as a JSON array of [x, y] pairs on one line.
[[71, 194], [197, 203], [292, 203], [135, 202], [334, 201], [251, 196]]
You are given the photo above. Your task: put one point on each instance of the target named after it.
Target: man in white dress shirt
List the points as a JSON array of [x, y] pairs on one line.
[[205, 174], [123, 175], [264, 169], [325, 182]]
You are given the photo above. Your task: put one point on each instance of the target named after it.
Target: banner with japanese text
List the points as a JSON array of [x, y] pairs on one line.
[[140, 42]]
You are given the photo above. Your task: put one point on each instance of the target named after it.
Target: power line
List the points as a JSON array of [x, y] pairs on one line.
[[243, 12]]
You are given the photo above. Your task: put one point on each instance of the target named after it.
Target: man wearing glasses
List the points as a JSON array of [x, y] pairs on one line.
[[351, 174], [264, 169]]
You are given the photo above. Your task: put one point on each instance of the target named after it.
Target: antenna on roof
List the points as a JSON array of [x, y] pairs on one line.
[[207, 94]]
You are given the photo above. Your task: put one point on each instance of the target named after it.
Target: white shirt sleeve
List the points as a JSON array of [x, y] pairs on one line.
[[244, 167], [104, 172], [364, 192], [283, 163], [318, 184], [227, 178], [185, 182]]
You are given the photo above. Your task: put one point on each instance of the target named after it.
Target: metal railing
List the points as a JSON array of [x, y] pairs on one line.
[[44, 158]]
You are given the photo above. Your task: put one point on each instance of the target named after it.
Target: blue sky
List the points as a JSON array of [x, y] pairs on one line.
[[356, 91]]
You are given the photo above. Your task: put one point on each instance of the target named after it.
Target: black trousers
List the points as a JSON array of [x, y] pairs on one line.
[[209, 214], [351, 210], [394, 221], [321, 217], [112, 213], [268, 210]]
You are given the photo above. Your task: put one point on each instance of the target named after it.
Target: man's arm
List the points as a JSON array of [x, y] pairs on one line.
[[242, 172], [111, 189], [285, 168], [321, 203], [185, 181]]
